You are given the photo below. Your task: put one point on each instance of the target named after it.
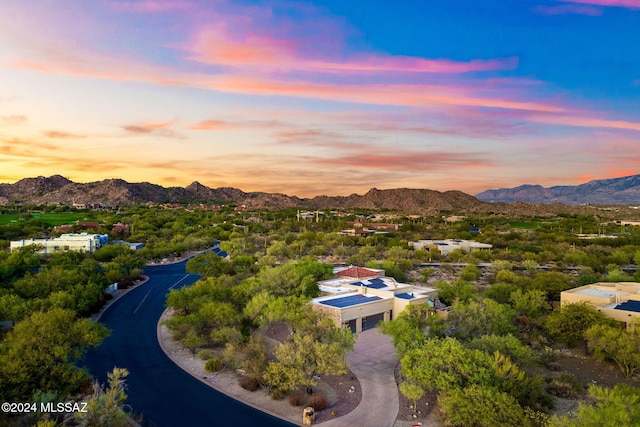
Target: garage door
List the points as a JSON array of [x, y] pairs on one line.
[[351, 324], [371, 321]]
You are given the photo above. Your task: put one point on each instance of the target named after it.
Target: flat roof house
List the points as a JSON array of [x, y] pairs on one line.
[[362, 303], [66, 242], [447, 246], [618, 300]]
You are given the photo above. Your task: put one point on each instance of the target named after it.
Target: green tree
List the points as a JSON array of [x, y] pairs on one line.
[[530, 303], [106, 406], [552, 283], [458, 290], [193, 341], [507, 345], [301, 359], [411, 391], [470, 273], [480, 406], [614, 343], [501, 292], [445, 364], [13, 308], [619, 406], [481, 317], [408, 329], [38, 354], [570, 321]]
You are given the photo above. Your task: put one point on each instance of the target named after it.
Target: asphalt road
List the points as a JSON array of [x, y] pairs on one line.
[[159, 390]]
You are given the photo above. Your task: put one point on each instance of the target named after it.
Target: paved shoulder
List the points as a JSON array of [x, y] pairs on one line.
[[373, 361]]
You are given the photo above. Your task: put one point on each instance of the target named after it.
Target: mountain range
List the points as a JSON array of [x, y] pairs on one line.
[[117, 192], [614, 191]]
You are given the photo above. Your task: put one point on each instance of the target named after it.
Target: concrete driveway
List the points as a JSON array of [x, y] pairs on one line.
[[373, 361]]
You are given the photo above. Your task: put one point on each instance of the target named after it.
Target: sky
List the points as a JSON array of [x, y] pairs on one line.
[[321, 97]]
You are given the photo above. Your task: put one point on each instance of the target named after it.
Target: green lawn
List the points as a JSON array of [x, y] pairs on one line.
[[49, 218]]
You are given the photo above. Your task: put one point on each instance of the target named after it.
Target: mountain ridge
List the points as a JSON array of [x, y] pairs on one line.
[[118, 192], [610, 191]]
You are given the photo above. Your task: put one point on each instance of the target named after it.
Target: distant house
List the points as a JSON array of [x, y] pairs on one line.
[[82, 242], [118, 227], [633, 222], [618, 300], [357, 232], [63, 227], [360, 304], [375, 225], [447, 246], [132, 245]]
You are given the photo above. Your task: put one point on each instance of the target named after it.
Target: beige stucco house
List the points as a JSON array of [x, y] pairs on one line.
[[362, 302], [618, 300]]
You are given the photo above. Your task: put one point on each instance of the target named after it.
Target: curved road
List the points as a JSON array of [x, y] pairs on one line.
[[159, 390]]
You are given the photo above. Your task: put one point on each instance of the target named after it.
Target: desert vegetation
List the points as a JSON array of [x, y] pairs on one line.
[[249, 311]]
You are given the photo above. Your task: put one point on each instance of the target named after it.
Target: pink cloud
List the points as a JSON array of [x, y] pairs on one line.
[[271, 51], [419, 95], [149, 6], [631, 4], [584, 121], [159, 129], [568, 9], [211, 125], [62, 135], [216, 46]]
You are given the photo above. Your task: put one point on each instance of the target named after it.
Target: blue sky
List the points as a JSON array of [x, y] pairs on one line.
[[321, 97]]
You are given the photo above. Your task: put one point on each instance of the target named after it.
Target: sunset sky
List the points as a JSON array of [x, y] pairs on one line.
[[321, 97]]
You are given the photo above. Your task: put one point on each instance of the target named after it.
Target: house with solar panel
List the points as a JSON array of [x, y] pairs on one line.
[[618, 300], [360, 298]]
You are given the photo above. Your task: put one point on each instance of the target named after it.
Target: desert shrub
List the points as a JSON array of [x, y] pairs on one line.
[[213, 365], [249, 383], [549, 358], [296, 398], [565, 386], [205, 354], [278, 394], [318, 402]]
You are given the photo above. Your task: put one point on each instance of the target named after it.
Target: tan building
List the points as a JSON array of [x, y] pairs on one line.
[[618, 300], [447, 246], [362, 303], [633, 222]]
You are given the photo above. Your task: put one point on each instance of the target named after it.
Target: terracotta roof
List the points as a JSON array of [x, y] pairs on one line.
[[357, 272]]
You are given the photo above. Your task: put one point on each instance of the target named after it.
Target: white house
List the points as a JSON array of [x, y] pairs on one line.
[[66, 242]]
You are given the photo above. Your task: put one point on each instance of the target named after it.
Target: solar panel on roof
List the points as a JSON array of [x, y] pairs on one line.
[[630, 305], [350, 300], [405, 295], [376, 285]]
